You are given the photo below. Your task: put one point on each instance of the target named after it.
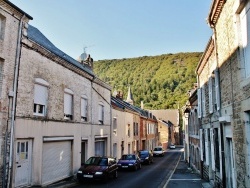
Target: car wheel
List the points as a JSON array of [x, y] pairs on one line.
[[140, 166], [115, 174], [135, 168]]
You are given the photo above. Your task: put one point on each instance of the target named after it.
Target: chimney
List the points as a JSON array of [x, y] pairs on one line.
[[142, 105]]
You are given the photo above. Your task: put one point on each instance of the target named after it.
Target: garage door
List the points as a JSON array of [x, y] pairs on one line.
[[56, 161]]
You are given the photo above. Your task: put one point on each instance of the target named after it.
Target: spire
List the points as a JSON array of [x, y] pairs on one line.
[[130, 99]]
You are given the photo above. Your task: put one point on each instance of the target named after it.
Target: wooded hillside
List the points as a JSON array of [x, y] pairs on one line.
[[161, 82]]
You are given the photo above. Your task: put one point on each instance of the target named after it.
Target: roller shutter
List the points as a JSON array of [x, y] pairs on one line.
[[56, 161]]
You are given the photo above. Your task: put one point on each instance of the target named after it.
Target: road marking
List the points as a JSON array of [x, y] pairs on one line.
[[165, 185]]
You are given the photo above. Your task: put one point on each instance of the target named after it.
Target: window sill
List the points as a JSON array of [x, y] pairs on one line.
[[37, 114]]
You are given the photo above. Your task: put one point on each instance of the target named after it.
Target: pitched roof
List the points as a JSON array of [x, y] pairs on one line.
[[36, 36]]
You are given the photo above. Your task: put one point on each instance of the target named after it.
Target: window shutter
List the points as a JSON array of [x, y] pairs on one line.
[[199, 103], [210, 85], [206, 147], [217, 89], [40, 94], [212, 148], [68, 101], [201, 144], [203, 101], [84, 106]]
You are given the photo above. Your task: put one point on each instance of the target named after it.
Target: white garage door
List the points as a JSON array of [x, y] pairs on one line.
[[56, 161]]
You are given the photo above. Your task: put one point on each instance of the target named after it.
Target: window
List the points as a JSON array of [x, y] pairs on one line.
[[68, 104], [217, 89], [128, 130], [84, 109], [245, 30], [1, 76], [114, 125], [211, 95], [101, 114], [203, 97], [40, 97], [135, 129], [199, 102], [2, 25]]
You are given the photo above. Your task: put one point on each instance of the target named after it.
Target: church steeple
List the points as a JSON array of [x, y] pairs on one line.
[[130, 99]]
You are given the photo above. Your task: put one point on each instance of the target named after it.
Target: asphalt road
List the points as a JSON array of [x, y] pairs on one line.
[[149, 176]]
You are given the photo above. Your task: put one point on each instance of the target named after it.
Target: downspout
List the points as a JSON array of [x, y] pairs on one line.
[[13, 109]]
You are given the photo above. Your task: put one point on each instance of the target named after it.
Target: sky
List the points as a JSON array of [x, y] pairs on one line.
[[116, 29]]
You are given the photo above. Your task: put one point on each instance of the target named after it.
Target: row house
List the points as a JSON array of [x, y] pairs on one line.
[[168, 126], [191, 127], [224, 96], [134, 129], [55, 112]]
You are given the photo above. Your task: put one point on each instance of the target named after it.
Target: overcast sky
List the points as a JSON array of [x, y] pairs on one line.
[[115, 29]]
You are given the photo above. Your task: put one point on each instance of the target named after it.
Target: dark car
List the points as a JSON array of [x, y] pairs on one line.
[[146, 156], [98, 168], [129, 161]]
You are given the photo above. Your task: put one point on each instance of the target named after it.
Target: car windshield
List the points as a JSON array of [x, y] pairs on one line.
[[143, 153], [128, 157], [158, 149], [97, 161]]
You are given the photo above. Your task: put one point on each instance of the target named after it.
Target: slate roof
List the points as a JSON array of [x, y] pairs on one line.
[[125, 105], [35, 35]]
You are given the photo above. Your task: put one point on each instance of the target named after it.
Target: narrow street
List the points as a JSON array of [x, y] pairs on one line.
[[154, 175]]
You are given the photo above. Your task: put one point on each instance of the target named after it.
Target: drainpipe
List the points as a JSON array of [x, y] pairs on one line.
[[13, 109]]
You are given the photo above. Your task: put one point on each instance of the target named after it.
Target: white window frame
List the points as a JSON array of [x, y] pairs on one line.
[[245, 31], [101, 113], [40, 97], [84, 109], [68, 104]]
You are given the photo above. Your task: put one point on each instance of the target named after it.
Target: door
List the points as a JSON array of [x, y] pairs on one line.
[[23, 163], [230, 177], [115, 150], [83, 152]]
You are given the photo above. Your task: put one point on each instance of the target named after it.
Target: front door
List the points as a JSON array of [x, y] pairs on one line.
[[23, 163], [83, 152]]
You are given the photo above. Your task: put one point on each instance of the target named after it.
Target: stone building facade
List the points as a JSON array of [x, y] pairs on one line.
[[61, 110], [12, 21], [226, 58]]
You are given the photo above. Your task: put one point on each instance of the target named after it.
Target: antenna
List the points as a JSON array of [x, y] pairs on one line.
[[85, 47]]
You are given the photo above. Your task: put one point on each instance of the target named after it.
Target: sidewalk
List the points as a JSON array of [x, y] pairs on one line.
[[185, 177]]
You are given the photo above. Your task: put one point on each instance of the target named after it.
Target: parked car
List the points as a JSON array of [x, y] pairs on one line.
[[129, 161], [172, 146], [146, 156], [158, 151], [98, 168]]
